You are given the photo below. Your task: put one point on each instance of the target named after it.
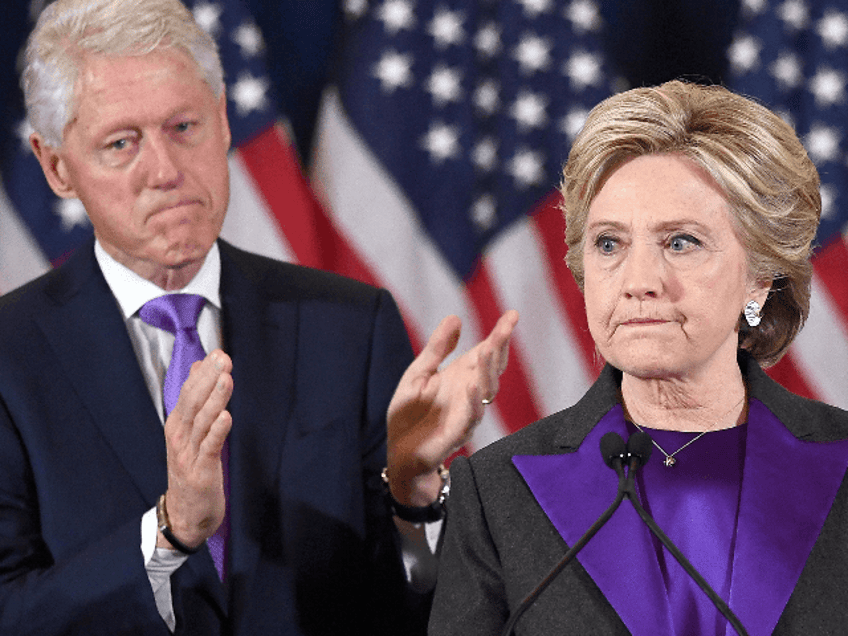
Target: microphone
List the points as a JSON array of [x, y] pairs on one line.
[[639, 448], [614, 452], [635, 453]]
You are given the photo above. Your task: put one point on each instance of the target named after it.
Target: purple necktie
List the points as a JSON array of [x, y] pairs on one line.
[[177, 313]]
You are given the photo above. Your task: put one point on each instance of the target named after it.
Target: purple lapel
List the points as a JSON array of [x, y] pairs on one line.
[[573, 490], [788, 487]]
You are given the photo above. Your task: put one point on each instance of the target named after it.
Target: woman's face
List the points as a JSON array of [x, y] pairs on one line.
[[666, 276]]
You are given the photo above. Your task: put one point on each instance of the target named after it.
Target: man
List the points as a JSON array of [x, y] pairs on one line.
[[273, 450]]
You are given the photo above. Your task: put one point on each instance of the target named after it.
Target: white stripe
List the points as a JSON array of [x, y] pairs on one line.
[[21, 259], [821, 349], [373, 213], [524, 281], [249, 223]]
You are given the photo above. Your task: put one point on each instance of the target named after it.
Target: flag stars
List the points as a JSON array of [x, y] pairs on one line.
[[533, 54], [396, 15], [526, 168], [828, 200], [487, 97], [786, 69], [444, 85], [754, 7], [529, 110], [250, 93], [833, 29], [394, 70], [583, 69], [208, 16], [446, 28], [573, 122], [534, 8], [72, 214], [355, 8], [794, 14], [584, 16], [488, 41], [744, 54], [828, 87], [442, 142], [484, 212], [249, 39], [485, 154], [822, 143], [24, 130]]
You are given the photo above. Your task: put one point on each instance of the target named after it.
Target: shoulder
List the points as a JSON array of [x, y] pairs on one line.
[[806, 419], [279, 280], [560, 432]]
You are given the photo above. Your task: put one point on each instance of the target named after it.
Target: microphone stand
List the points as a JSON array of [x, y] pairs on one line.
[[613, 451], [637, 453]]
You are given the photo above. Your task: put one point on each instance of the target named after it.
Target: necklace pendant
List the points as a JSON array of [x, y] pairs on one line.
[[669, 461]]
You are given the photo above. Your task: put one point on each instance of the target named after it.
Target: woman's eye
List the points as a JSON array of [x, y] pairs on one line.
[[606, 244], [682, 242]]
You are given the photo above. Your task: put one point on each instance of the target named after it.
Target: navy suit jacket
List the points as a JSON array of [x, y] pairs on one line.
[[312, 549], [518, 504]]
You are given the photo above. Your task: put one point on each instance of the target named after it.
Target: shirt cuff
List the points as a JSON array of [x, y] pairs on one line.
[[160, 564]]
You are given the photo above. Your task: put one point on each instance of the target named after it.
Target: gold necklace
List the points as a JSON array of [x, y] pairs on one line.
[[669, 460]]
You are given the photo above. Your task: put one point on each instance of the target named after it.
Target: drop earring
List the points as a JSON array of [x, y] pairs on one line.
[[752, 313]]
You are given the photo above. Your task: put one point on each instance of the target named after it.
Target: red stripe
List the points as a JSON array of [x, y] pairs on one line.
[[831, 267], [786, 373], [550, 226], [515, 402], [300, 217]]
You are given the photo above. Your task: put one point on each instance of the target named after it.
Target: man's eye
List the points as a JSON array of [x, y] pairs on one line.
[[119, 144]]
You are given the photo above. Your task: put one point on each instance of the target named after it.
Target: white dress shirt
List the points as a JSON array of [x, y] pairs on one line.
[[153, 347]]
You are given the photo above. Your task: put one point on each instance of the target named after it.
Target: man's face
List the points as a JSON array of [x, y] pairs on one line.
[[146, 153]]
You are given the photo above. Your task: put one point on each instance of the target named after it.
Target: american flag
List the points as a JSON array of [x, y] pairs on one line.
[[438, 152], [792, 55]]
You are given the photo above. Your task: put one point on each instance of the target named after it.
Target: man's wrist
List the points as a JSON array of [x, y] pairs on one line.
[[164, 526]]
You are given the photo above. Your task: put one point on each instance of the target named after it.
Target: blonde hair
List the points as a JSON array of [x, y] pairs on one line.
[[756, 159], [68, 29]]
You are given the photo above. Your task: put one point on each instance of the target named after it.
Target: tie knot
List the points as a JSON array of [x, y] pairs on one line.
[[173, 312]]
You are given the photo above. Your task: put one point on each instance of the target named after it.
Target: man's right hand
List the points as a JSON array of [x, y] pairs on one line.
[[194, 436]]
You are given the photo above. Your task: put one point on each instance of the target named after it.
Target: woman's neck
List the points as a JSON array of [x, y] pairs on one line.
[[681, 405]]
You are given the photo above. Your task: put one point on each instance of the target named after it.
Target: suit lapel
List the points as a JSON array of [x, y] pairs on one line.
[[87, 333], [260, 334], [574, 490], [788, 487]]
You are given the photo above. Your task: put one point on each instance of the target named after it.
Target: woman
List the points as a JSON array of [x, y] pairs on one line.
[[690, 212]]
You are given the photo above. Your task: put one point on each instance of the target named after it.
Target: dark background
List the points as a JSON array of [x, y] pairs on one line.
[[648, 41]]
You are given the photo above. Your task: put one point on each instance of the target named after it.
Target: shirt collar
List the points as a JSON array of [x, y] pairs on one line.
[[132, 291]]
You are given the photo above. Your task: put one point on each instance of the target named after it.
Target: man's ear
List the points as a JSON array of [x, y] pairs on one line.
[[54, 167]]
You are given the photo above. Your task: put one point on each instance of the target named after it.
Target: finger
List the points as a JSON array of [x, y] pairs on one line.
[[213, 443], [441, 344], [211, 409], [195, 391]]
